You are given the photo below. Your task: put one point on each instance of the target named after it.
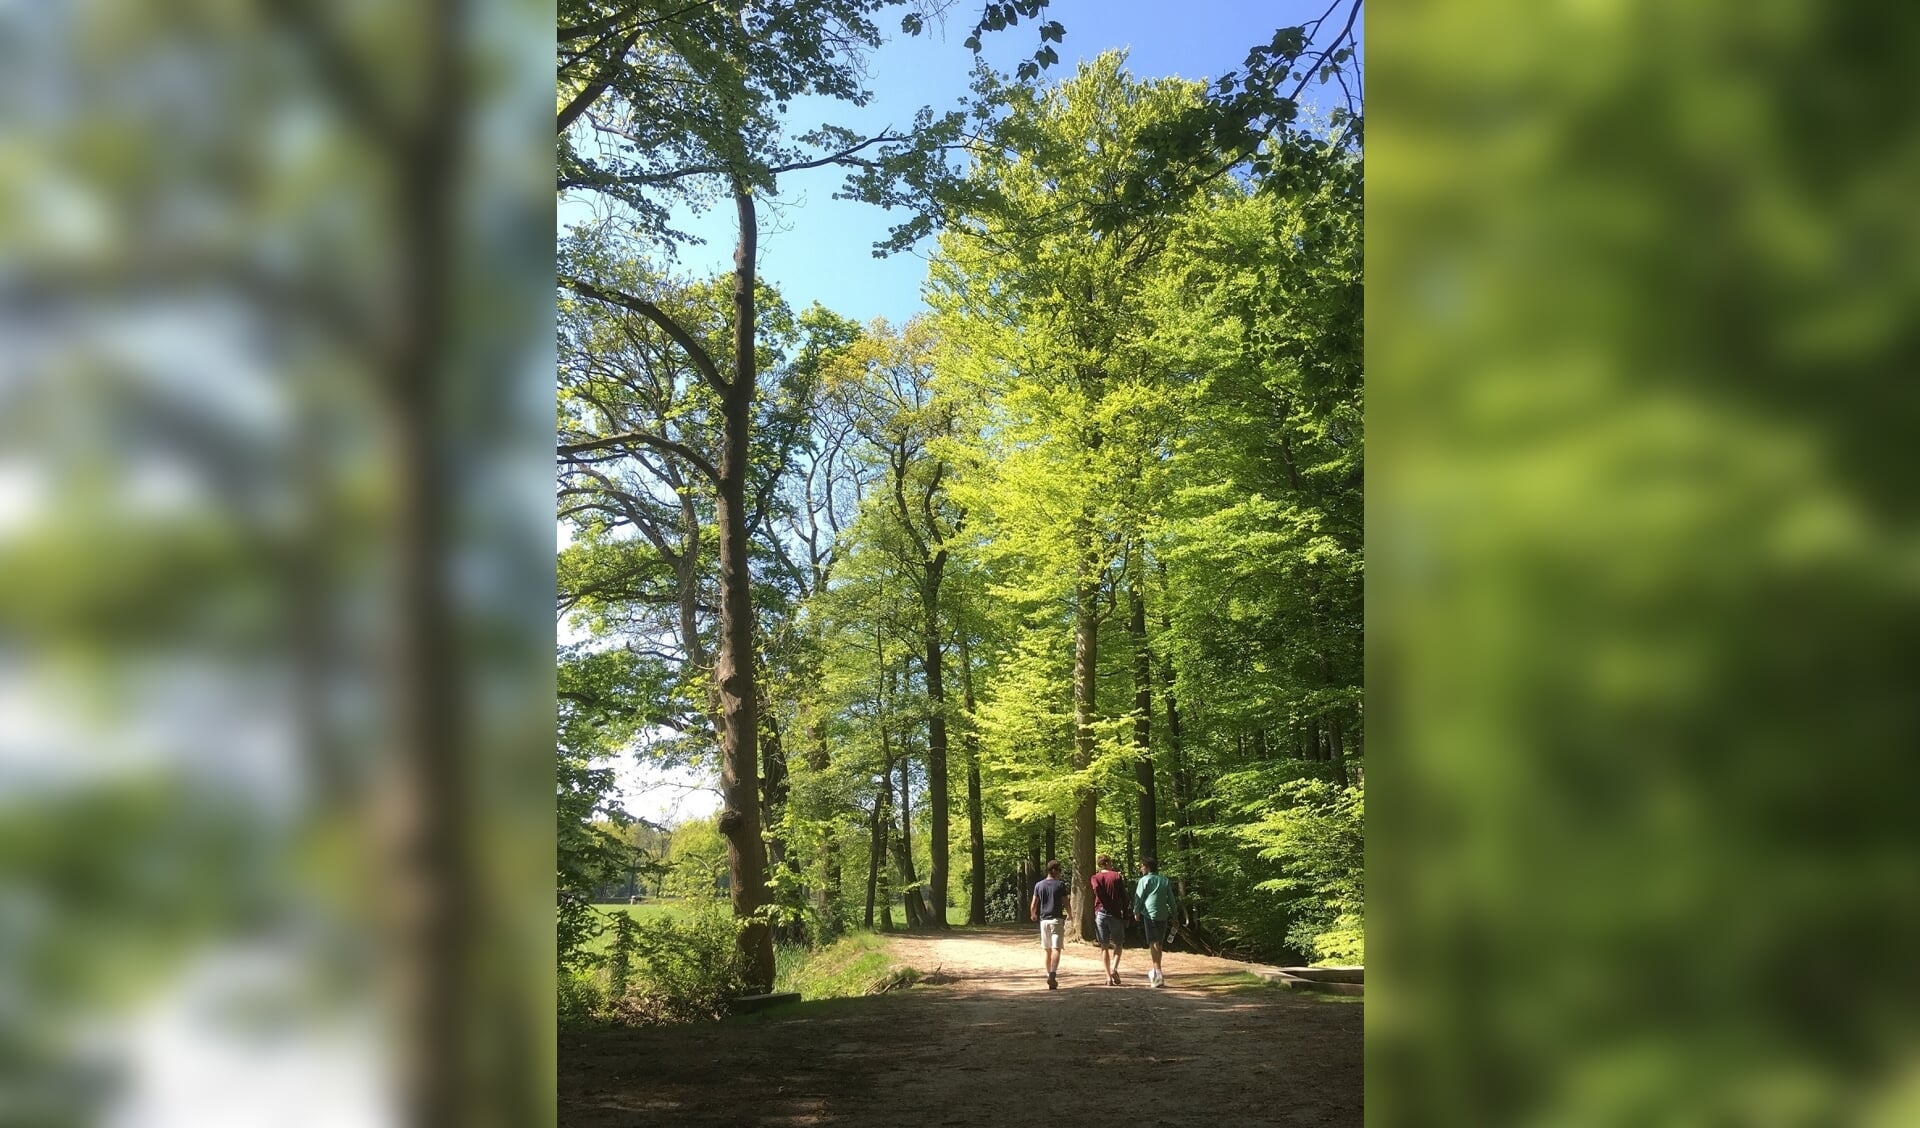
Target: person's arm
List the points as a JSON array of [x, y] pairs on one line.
[[1033, 906]]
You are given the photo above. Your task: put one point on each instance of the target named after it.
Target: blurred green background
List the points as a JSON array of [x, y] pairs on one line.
[[1645, 586], [275, 302], [276, 562]]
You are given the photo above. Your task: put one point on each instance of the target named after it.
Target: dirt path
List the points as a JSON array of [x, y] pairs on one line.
[[987, 1043]]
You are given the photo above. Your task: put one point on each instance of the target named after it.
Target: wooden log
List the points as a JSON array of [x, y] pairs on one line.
[[747, 1004]]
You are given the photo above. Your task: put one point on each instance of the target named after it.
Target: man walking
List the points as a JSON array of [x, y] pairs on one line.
[[1051, 909], [1110, 916], [1154, 895]]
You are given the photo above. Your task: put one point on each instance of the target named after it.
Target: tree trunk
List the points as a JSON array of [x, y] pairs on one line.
[[818, 760], [773, 803], [1176, 757], [1029, 872], [910, 900], [1086, 666], [773, 790], [1182, 783], [1143, 722], [430, 879], [877, 843], [903, 850], [937, 799], [906, 812], [734, 673], [976, 836]]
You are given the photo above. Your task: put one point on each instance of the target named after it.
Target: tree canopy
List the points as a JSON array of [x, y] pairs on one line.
[[1073, 561]]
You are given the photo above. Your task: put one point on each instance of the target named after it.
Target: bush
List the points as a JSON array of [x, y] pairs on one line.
[[1319, 841], [579, 996], [670, 968], [683, 968], [1004, 905]]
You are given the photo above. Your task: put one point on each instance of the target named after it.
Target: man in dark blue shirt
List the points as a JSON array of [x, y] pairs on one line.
[[1051, 908]]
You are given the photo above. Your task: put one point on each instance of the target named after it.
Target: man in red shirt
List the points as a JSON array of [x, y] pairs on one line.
[[1109, 915]]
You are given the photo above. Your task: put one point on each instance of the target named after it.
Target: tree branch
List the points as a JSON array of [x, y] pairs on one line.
[[842, 155], [597, 85], [687, 453], [696, 352], [1353, 14]]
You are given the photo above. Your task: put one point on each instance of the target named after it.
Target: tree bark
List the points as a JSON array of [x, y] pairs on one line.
[[1178, 775], [734, 672], [430, 882], [976, 836], [1335, 749], [906, 811], [1143, 722], [877, 843], [937, 798], [773, 790], [1086, 654]]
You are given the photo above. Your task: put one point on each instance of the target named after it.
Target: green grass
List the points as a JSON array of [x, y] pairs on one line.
[[642, 914], [856, 964]]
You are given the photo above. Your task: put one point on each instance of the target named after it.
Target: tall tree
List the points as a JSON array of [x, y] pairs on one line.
[[889, 380], [1041, 286], [659, 104]]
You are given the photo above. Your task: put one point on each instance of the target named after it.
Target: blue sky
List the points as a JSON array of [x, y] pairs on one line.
[[816, 248]]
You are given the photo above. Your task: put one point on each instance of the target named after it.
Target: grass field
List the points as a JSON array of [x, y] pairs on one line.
[[641, 913]]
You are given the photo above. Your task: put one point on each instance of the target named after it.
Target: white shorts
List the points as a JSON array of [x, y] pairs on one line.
[[1052, 933]]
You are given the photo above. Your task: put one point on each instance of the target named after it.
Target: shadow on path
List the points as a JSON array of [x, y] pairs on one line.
[[993, 1045]]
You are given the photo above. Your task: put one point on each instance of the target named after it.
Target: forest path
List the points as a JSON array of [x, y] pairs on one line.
[[987, 1043]]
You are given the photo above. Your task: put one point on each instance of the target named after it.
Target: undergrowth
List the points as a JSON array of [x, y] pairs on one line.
[[683, 969], [855, 964]]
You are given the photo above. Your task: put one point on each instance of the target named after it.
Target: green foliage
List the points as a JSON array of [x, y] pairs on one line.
[[585, 855], [1121, 391], [674, 967], [698, 854], [857, 964], [1315, 830]]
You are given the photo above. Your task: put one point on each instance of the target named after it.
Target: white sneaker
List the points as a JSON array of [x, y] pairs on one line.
[[1159, 980]]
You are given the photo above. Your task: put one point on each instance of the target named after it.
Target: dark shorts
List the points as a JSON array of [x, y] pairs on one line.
[[1110, 929], [1156, 930]]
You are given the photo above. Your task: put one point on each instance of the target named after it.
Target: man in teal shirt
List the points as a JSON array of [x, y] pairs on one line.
[[1154, 894]]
